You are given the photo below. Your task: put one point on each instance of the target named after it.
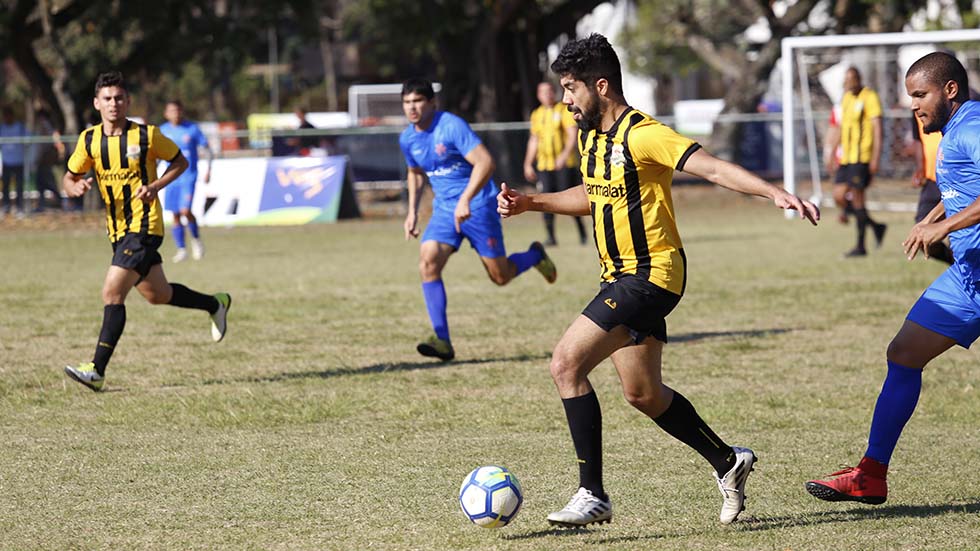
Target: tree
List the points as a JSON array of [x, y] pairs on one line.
[[487, 55], [712, 34]]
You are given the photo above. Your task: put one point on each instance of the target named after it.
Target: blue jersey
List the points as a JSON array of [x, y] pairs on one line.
[[958, 178], [188, 137], [440, 151]]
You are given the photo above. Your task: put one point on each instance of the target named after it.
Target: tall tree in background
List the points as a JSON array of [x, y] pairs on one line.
[[712, 33], [487, 55]]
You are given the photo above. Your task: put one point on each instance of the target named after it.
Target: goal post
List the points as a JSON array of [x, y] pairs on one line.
[[792, 67]]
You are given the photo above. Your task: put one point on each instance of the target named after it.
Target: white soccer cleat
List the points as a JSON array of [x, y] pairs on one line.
[[732, 485], [197, 249], [180, 256], [583, 509], [219, 319]]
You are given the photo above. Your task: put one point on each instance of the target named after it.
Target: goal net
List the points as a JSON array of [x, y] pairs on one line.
[[813, 70]]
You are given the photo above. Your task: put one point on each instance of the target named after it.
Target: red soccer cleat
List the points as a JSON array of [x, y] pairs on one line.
[[865, 483]]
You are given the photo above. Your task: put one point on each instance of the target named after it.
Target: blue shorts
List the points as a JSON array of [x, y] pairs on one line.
[[180, 193], [949, 307], [482, 229]]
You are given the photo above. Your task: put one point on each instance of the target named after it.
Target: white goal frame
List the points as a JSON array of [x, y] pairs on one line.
[[791, 48]]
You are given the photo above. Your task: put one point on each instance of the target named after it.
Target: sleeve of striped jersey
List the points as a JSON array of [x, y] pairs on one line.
[[658, 143], [79, 162], [872, 106], [162, 146], [535, 123], [567, 119]]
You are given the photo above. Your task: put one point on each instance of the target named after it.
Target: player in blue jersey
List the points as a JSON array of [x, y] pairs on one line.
[[442, 148], [180, 194], [948, 312]]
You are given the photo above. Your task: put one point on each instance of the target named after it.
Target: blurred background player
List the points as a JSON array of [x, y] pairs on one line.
[[441, 147], [47, 156], [180, 194], [629, 163], [124, 157], [948, 312], [13, 161], [551, 155], [860, 141]]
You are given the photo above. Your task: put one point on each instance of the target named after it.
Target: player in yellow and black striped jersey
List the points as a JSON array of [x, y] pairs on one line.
[[122, 156], [628, 160], [860, 141], [550, 155]]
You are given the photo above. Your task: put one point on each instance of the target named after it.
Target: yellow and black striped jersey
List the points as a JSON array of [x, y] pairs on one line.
[[549, 124], [627, 173], [122, 164], [856, 129]]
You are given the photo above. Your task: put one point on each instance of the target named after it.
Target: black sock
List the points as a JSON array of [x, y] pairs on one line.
[[862, 225], [585, 424], [113, 322], [188, 298], [549, 225], [683, 423]]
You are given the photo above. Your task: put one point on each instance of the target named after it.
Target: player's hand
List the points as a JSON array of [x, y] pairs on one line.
[[78, 187], [921, 236], [831, 163], [462, 212], [918, 178], [873, 167], [207, 176], [146, 194], [510, 202], [807, 210], [529, 174], [411, 226]]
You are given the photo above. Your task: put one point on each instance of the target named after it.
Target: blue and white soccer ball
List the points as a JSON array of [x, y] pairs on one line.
[[491, 496]]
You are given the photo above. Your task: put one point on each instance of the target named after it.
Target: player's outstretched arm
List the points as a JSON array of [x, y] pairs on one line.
[[572, 201], [931, 229], [731, 176]]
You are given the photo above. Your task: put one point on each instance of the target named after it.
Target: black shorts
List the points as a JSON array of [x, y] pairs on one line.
[[137, 252], [856, 175], [929, 197], [635, 303]]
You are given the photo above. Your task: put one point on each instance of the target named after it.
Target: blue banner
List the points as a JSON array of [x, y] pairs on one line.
[[298, 190]]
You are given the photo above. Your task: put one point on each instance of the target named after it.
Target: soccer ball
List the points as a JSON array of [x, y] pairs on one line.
[[490, 496]]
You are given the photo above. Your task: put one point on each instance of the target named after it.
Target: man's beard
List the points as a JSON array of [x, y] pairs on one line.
[[939, 120], [591, 118]]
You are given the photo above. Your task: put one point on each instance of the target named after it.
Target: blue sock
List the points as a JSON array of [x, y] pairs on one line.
[[435, 302], [525, 260], [193, 227], [894, 408], [179, 236]]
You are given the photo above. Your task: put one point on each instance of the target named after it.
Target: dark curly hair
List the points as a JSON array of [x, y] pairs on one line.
[[940, 68], [588, 60], [419, 86], [110, 78]]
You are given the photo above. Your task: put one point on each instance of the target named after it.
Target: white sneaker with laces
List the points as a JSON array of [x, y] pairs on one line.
[[180, 256], [197, 249], [732, 485], [583, 509]]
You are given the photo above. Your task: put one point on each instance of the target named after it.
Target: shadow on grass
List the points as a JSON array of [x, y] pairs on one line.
[[376, 368], [595, 535], [969, 506], [701, 335]]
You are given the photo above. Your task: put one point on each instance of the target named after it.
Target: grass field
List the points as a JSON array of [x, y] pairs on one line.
[[315, 425]]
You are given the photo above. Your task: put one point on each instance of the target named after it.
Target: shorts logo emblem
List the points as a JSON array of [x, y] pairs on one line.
[[610, 303], [128, 252]]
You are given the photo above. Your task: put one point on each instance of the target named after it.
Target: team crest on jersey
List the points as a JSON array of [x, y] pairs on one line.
[[441, 149], [618, 157], [133, 151]]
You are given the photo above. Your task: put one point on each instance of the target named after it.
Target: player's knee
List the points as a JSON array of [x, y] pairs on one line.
[[428, 269], [156, 298], [499, 278], [902, 353], [564, 369]]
